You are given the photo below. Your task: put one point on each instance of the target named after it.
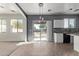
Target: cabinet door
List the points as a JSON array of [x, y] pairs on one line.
[[58, 23]]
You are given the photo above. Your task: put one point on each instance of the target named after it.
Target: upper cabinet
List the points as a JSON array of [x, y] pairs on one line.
[[58, 23], [66, 23]]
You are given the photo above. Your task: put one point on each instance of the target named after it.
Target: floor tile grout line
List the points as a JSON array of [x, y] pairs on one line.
[[13, 51]]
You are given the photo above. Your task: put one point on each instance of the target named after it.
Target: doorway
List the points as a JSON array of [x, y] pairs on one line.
[[39, 30]]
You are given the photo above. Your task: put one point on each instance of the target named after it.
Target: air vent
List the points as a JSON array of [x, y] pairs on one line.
[[76, 10]]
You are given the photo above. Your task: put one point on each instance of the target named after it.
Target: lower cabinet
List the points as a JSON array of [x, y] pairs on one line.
[[62, 38], [58, 37]]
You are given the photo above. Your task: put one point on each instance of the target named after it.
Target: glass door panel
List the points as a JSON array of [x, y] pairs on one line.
[[39, 30], [36, 31]]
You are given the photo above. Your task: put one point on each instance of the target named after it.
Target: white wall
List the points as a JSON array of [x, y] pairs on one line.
[[10, 36]]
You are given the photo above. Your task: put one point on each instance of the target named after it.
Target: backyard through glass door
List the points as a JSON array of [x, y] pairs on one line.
[[39, 30]]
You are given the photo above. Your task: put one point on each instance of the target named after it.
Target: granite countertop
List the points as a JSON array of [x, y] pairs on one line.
[[66, 30], [69, 31], [74, 34]]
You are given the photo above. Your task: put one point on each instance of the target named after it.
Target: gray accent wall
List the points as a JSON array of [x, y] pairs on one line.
[[77, 21], [48, 18]]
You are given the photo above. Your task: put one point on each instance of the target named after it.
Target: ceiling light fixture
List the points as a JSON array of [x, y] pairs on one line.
[[70, 9], [1, 7], [41, 11], [12, 10], [49, 10]]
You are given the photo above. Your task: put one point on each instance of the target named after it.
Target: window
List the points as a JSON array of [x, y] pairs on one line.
[[17, 25], [69, 23], [65, 23], [2, 25]]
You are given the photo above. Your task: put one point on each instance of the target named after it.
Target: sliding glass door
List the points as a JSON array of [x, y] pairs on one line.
[[39, 30]]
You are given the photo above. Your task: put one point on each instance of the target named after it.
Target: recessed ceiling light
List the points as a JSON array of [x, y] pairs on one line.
[[49, 10], [12, 10], [1, 7], [70, 9]]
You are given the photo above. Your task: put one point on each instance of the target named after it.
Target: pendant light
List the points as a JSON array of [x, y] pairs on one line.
[[41, 11]]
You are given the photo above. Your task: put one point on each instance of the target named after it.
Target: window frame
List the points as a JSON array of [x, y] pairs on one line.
[[17, 29], [1, 31], [68, 22]]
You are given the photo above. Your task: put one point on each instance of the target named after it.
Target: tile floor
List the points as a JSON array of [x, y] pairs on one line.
[[36, 49]]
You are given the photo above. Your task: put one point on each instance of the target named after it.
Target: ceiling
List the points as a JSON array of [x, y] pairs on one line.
[[8, 8], [50, 8], [34, 9]]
